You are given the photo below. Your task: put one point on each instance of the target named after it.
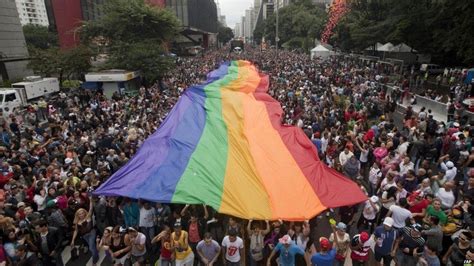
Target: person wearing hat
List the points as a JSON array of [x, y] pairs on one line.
[[448, 167], [368, 218], [360, 248], [287, 250], [408, 241], [384, 237], [327, 254], [341, 241], [233, 249], [179, 243]]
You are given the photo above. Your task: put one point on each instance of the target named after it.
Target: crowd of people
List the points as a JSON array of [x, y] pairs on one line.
[[415, 171]]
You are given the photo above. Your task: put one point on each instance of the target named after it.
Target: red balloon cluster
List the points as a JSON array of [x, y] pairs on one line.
[[337, 10]]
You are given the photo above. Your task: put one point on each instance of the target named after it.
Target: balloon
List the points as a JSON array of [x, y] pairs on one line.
[[337, 10]]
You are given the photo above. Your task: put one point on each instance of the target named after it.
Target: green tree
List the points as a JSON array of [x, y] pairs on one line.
[[225, 34], [66, 63], [134, 34], [435, 27], [299, 22], [39, 37]]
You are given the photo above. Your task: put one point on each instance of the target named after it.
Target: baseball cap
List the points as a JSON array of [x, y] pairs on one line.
[[374, 199], [417, 227], [324, 243], [20, 204], [450, 164], [286, 239], [68, 160], [341, 226], [88, 170], [364, 237], [388, 221]]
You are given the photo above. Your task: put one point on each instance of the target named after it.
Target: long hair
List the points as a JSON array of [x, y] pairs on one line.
[[76, 215]]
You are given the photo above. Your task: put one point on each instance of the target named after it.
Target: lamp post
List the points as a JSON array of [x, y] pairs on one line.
[[277, 39]]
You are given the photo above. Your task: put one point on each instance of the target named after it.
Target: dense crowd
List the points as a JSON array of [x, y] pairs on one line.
[[415, 171]]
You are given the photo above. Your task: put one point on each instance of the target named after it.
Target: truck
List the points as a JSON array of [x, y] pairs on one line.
[[26, 91]]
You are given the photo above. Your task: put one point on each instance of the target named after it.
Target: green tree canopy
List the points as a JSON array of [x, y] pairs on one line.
[[67, 63], [439, 28], [134, 35], [39, 37], [225, 34], [301, 20]]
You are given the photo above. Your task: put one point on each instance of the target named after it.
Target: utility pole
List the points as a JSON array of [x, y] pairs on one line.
[[277, 39]]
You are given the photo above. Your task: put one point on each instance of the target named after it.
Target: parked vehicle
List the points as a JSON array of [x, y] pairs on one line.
[[431, 69], [22, 93]]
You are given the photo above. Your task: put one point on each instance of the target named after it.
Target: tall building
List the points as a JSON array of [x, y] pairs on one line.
[[268, 9], [248, 27], [13, 53], [198, 18], [237, 28], [66, 16], [32, 12]]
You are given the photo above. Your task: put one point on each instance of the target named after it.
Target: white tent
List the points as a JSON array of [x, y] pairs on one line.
[[388, 47], [377, 46], [403, 48], [320, 51]]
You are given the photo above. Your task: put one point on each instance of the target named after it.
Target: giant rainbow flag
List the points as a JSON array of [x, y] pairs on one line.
[[223, 145]]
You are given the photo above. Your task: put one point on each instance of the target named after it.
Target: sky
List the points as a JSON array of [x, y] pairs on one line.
[[234, 10]]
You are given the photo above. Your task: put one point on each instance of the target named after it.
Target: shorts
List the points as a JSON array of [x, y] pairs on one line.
[[139, 259], [188, 261], [121, 260], [386, 258]]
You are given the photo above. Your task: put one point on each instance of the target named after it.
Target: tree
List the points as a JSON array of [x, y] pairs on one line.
[[66, 63], [225, 34], [39, 37], [134, 35], [435, 27], [299, 22]]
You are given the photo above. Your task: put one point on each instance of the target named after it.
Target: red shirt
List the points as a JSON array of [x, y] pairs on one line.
[[420, 206]]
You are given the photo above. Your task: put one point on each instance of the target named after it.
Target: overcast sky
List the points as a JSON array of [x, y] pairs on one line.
[[234, 10]]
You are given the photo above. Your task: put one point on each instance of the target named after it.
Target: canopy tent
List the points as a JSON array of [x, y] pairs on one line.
[[223, 145], [320, 51], [388, 47], [403, 48], [377, 46]]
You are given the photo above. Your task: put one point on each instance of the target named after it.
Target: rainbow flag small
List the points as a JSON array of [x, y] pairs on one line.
[[223, 145]]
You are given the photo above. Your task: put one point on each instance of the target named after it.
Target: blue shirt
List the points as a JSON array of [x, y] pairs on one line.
[[384, 240], [287, 256], [324, 259]]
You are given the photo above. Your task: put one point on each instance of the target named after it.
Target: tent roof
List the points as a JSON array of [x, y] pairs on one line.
[[320, 48], [388, 47], [403, 48], [377, 46]]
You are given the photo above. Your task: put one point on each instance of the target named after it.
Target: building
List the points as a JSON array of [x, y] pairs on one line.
[[281, 3], [237, 30], [32, 12], [267, 11], [66, 16], [249, 24], [199, 19], [13, 52]]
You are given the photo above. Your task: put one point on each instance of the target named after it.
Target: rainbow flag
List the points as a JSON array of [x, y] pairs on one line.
[[223, 145]]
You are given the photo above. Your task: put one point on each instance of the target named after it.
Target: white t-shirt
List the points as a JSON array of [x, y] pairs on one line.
[[147, 217], [370, 212], [447, 198], [374, 175], [40, 202], [232, 253], [450, 172], [139, 240], [399, 215]]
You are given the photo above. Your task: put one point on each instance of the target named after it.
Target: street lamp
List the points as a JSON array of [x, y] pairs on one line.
[[277, 39]]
